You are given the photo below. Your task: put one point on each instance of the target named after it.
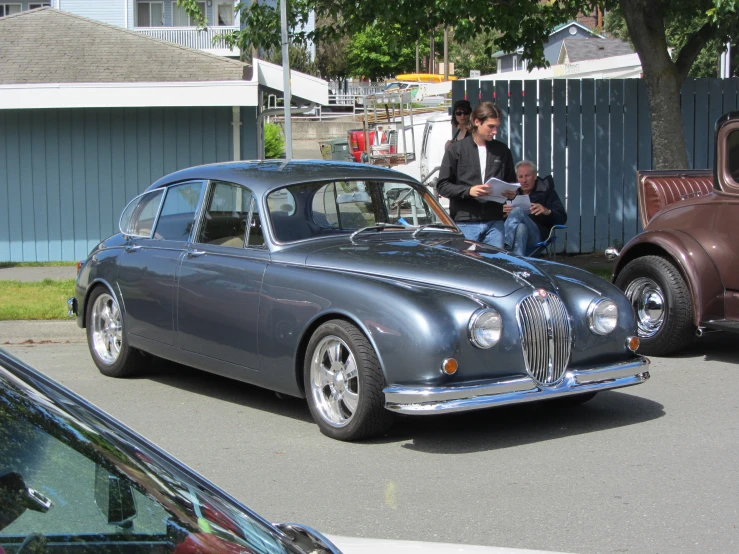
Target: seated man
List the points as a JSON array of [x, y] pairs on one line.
[[524, 230]]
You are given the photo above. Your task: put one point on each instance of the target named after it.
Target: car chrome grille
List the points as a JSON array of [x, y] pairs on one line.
[[545, 337]]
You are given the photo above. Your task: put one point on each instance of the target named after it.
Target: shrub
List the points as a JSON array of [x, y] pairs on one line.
[[274, 144]]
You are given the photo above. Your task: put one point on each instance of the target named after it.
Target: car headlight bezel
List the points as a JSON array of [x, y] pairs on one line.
[[475, 330], [597, 317]]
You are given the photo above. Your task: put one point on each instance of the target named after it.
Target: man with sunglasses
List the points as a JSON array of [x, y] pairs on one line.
[[466, 166]]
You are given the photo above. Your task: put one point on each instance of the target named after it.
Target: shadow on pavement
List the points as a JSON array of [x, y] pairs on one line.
[[713, 347], [489, 429], [228, 390]]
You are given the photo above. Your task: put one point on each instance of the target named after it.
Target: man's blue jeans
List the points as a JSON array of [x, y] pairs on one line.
[[521, 233], [489, 232]]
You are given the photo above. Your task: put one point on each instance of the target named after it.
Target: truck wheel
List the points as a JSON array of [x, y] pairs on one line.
[[344, 382], [662, 304], [107, 340]]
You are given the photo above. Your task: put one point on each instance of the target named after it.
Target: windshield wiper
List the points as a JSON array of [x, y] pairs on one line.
[[435, 226], [378, 227]]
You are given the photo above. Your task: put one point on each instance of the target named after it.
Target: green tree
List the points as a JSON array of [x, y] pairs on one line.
[[526, 24], [677, 32], [274, 144], [377, 52], [472, 53], [299, 59], [331, 56]]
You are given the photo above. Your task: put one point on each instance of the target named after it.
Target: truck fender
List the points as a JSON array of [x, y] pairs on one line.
[[696, 266]]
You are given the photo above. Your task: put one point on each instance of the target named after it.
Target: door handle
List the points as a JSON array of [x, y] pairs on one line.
[[194, 253], [133, 247]]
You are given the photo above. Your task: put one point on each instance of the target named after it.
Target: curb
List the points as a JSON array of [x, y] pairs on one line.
[[40, 332]]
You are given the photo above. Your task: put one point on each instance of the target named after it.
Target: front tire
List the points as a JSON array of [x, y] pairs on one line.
[[344, 382], [662, 304], [107, 340]]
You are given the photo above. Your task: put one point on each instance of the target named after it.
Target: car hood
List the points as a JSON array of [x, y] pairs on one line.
[[350, 545], [454, 263]]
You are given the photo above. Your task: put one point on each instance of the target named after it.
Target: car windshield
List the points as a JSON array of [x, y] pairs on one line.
[[309, 210]]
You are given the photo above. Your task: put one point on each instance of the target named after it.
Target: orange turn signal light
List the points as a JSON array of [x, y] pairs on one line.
[[632, 343], [449, 366]]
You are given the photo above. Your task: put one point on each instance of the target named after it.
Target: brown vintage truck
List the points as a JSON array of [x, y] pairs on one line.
[[682, 272]]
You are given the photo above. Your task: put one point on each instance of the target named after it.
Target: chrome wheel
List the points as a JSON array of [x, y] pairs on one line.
[[107, 337], [334, 381], [648, 301]]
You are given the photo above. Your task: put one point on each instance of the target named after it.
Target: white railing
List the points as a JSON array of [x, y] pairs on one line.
[[206, 39]]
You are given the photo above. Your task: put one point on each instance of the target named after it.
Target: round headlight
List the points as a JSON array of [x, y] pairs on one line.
[[602, 316], [486, 327]]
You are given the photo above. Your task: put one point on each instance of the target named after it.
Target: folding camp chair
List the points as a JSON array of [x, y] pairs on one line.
[[548, 245]]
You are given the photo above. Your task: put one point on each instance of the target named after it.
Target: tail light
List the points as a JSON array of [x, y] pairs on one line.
[[353, 141]]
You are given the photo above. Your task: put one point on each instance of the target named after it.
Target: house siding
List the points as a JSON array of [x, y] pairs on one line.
[[66, 175], [107, 11]]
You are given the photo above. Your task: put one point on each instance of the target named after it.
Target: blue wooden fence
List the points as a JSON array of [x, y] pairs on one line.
[[592, 136], [66, 175]]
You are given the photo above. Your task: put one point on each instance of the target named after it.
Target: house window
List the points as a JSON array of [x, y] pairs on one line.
[[9, 9], [39, 5], [225, 13], [181, 19], [150, 14]]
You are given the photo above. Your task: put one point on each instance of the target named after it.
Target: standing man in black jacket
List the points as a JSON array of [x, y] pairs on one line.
[[524, 230], [466, 166]]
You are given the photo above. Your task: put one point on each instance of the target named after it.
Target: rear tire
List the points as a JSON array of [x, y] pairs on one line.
[[344, 382], [107, 340], [662, 304]]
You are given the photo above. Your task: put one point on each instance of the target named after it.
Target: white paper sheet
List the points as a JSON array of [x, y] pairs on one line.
[[498, 187], [522, 201]]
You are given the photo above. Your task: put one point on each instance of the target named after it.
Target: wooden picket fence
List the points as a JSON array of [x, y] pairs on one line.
[[592, 136]]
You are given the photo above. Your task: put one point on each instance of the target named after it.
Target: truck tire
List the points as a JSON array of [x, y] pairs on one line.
[[662, 304]]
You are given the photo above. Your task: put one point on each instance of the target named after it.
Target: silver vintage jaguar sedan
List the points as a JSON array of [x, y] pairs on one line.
[[349, 285]]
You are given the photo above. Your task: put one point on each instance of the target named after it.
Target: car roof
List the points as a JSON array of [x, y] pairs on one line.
[[262, 176]]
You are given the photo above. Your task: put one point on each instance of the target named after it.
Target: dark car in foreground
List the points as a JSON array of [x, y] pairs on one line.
[[681, 274], [74, 480], [349, 285]]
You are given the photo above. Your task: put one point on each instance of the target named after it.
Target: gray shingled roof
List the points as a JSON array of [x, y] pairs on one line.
[[581, 49], [51, 46]]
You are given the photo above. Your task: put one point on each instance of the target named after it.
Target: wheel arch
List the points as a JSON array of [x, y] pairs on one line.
[[310, 329], [94, 285], [691, 260]]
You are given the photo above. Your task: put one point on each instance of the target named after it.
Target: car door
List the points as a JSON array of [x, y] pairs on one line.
[[220, 279], [148, 267]]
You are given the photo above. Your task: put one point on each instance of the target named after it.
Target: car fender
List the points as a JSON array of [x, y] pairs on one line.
[[696, 266], [412, 327]]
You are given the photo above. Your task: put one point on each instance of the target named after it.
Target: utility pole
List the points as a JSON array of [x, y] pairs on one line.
[[446, 52], [286, 81], [418, 61], [432, 55]]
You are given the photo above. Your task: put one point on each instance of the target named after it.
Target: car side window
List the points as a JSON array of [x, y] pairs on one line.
[[226, 215], [140, 215], [733, 155], [178, 212]]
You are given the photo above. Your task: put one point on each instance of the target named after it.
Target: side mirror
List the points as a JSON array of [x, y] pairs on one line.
[[114, 498]]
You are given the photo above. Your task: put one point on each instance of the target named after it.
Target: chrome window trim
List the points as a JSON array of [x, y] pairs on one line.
[[198, 209], [156, 217]]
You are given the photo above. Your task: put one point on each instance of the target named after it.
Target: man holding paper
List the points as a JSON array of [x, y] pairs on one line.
[[532, 210], [475, 204]]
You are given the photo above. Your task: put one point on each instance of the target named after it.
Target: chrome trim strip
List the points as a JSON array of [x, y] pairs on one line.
[[485, 394]]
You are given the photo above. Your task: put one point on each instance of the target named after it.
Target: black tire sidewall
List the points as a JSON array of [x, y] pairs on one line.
[[677, 327], [122, 367], [370, 416]]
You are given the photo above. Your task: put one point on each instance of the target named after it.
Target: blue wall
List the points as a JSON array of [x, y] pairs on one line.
[[66, 175]]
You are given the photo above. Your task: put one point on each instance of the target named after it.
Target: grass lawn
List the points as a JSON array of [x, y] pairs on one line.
[[45, 299], [4, 265]]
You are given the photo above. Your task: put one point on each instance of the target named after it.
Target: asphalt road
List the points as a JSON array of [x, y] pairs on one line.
[[651, 468]]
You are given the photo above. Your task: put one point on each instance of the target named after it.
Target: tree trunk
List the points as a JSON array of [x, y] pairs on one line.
[[663, 80]]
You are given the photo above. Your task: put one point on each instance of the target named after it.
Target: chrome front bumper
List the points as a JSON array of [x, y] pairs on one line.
[[434, 400], [72, 307]]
